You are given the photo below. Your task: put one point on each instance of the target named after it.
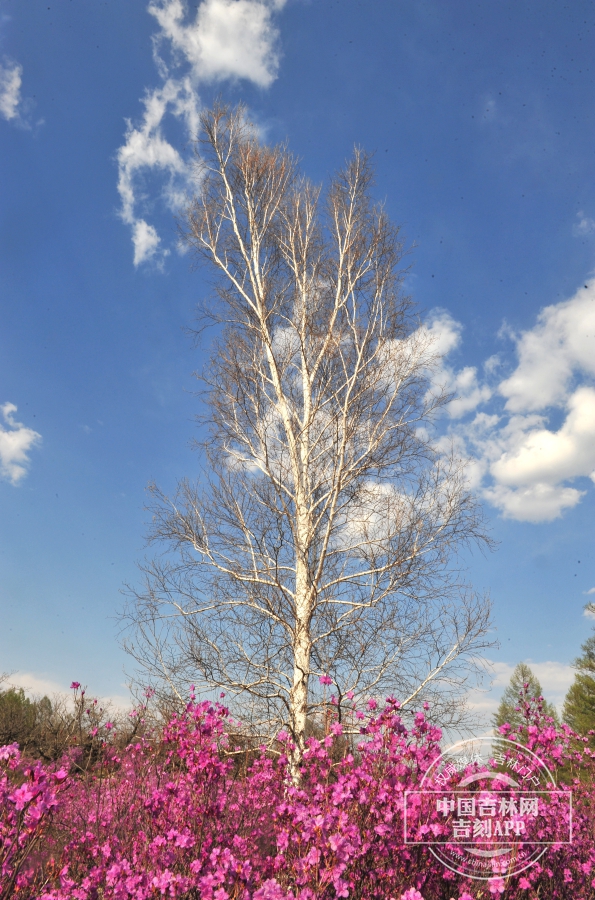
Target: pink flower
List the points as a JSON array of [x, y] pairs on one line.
[[23, 795], [163, 881], [349, 695], [325, 679], [271, 890], [411, 894], [75, 685], [9, 751], [497, 885], [313, 857]]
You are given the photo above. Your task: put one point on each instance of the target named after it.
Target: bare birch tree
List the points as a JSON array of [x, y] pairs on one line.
[[319, 540]]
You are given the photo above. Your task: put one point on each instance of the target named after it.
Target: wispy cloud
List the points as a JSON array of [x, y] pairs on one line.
[[226, 39], [10, 89], [518, 462], [16, 440], [146, 149], [585, 225], [13, 106], [463, 384]]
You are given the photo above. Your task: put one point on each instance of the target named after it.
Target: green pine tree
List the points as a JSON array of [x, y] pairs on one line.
[[507, 711], [579, 705]]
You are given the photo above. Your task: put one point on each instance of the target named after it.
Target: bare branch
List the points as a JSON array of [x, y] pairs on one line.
[[322, 536]]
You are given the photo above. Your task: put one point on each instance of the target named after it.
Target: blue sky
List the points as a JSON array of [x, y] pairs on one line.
[[482, 120]]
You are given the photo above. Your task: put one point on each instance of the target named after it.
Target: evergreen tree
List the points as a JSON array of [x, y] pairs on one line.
[[508, 711], [579, 705]]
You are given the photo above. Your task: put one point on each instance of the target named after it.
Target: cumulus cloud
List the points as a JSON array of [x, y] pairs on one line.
[[528, 469], [550, 354], [16, 440], [226, 39], [534, 466]]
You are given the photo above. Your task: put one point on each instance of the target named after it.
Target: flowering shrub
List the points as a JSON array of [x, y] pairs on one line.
[[178, 817], [28, 796]]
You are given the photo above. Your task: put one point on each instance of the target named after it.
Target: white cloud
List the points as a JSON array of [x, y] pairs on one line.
[[518, 461], [145, 241], [585, 225], [146, 149], [227, 39], [537, 503], [559, 345], [13, 106], [537, 455], [36, 684], [10, 89], [15, 443], [468, 393], [590, 591]]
